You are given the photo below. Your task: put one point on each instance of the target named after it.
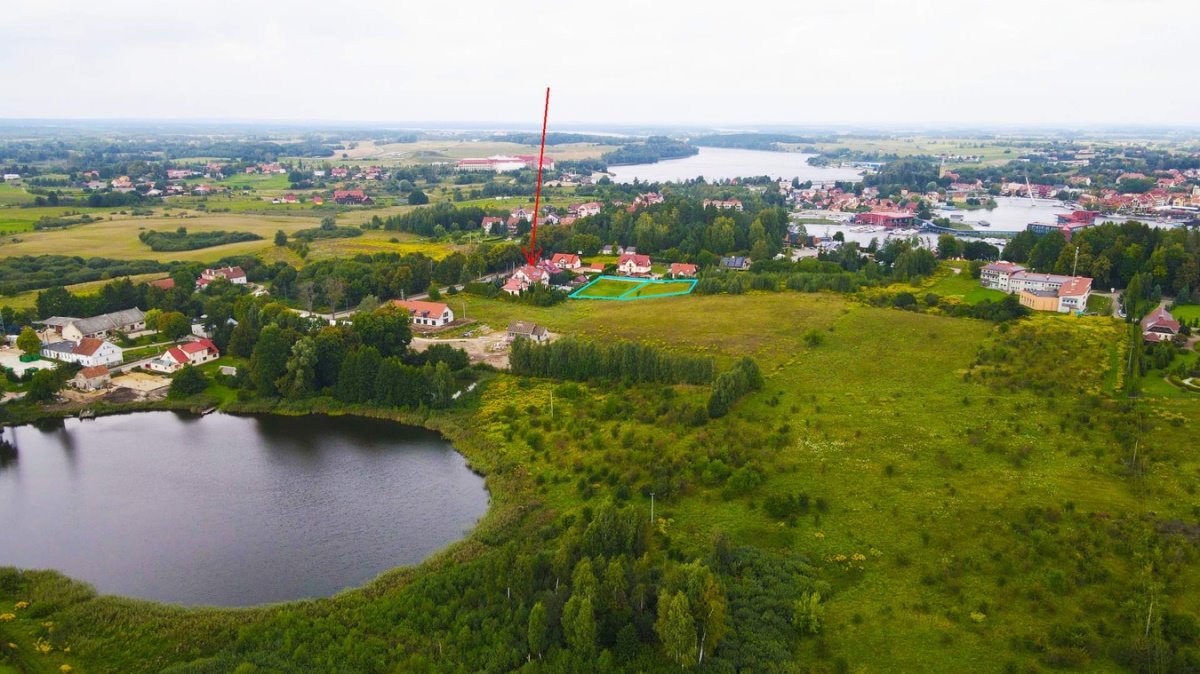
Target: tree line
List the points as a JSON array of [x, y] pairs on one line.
[[630, 362]]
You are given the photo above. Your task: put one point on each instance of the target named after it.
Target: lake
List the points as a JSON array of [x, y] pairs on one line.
[[722, 163], [230, 510]]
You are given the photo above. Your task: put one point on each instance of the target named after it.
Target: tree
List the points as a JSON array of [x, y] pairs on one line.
[[188, 382], [388, 329], [948, 247], [335, 289], [305, 293], [28, 341], [301, 376], [173, 325], [368, 304], [43, 386], [269, 361], [579, 624], [537, 632], [675, 628], [417, 198], [280, 238]]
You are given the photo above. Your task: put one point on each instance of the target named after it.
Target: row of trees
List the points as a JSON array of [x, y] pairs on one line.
[[728, 388], [621, 361]]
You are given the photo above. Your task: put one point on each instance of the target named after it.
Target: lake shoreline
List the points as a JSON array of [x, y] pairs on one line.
[[508, 502]]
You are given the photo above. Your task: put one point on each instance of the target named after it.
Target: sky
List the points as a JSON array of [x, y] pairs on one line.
[[1069, 63]]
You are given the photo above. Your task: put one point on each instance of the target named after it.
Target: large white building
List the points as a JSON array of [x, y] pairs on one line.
[[1042, 292], [431, 314], [88, 352]]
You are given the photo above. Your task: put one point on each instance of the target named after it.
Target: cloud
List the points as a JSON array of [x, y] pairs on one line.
[[751, 62]]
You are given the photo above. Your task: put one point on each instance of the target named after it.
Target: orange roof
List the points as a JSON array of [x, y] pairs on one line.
[[88, 346], [1076, 285], [422, 308], [94, 371]]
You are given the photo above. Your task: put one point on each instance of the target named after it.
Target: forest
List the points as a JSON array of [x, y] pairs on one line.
[[181, 239]]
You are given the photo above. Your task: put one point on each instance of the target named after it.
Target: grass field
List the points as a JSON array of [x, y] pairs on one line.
[[1186, 312], [612, 287], [29, 299], [948, 284], [608, 288]]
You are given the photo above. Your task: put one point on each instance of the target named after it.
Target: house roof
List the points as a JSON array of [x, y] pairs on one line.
[[564, 257], [514, 284], [1076, 285], [736, 261], [1161, 318], [639, 260], [110, 321], [177, 354], [526, 328], [164, 283], [88, 346], [682, 268], [198, 346], [94, 371], [422, 308], [1006, 267]]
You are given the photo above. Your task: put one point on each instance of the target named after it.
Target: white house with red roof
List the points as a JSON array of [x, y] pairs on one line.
[[524, 277], [488, 221], [88, 352], [430, 314], [566, 261], [585, 210], [997, 275], [633, 264], [234, 275], [682, 270], [1159, 326], [1041, 292], [190, 353]]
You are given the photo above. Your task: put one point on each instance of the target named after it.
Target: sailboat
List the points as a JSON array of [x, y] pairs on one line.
[[1029, 191]]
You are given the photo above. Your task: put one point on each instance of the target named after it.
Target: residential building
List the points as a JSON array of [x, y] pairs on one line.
[[431, 314], [527, 330], [632, 264], [91, 378], [190, 353], [588, 209], [88, 352], [724, 204], [351, 197], [76, 329], [737, 263], [1159, 326], [234, 275], [488, 222], [682, 270], [566, 261]]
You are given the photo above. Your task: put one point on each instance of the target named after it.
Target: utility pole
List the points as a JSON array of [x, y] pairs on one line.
[[464, 306], [551, 404], [1075, 267], [651, 507]]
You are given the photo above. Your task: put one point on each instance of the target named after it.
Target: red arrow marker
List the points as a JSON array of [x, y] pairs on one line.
[[533, 254]]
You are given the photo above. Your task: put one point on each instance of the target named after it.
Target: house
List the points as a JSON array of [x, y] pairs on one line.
[[192, 353], [682, 270], [351, 197], [522, 214], [318, 201], [737, 263], [490, 221], [530, 274], [632, 264], [289, 198], [164, 283], [1159, 326], [527, 330], [11, 177], [88, 352], [234, 275], [566, 261], [76, 329], [588, 209], [724, 204], [91, 378], [433, 314]]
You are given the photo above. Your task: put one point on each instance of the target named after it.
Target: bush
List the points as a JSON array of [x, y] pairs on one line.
[[187, 383]]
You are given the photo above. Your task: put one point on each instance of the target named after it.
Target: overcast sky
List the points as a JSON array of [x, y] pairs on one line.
[[1055, 62]]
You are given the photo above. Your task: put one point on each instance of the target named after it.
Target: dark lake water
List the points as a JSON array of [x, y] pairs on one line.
[[229, 510]]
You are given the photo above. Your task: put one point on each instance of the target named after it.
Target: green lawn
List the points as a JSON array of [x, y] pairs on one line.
[[608, 287], [961, 285], [655, 289], [1100, 304], [1186, 312]]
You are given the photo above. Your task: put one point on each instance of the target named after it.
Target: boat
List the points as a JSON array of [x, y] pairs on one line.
[[984, 223], [956, 217], [87, 414]]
